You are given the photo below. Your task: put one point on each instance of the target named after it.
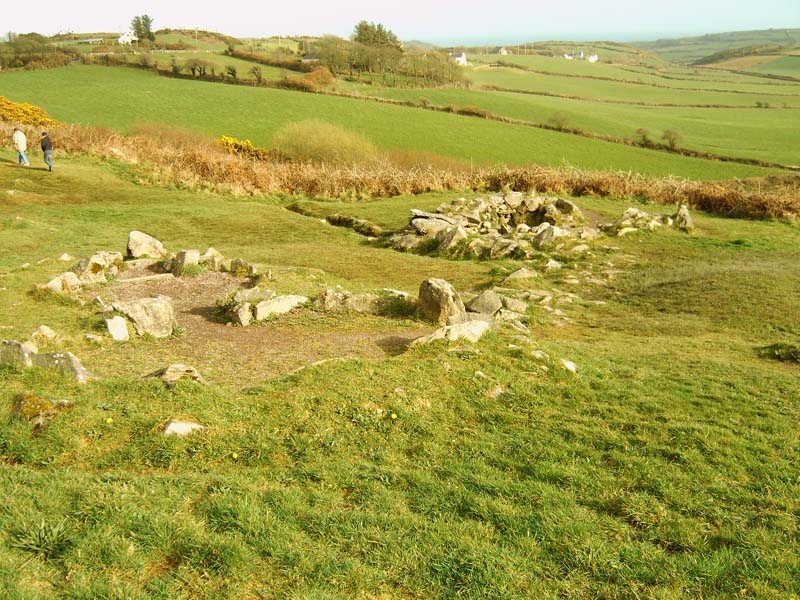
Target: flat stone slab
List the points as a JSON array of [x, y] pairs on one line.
[[181, 428], [278, 306]]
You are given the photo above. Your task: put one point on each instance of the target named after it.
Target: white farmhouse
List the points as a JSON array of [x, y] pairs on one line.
[[593, 58], [503, 52], [127, 38], [460, 58]]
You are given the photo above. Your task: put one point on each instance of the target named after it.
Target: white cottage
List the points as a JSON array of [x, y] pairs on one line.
[[127, 38], [460, 58]]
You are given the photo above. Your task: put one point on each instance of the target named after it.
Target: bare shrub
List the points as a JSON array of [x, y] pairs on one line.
[[320, 142], [321, 77]]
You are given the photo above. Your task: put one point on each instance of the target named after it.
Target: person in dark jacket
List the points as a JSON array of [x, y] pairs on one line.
[[47, 148]]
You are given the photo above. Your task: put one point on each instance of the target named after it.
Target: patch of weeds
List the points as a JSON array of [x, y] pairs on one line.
[[192, 270], [49, 296], [782, 352], [45, 539]]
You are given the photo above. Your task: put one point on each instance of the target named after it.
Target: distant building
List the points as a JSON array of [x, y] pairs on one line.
[[569, 57], [91, 41], [127, 38], [593, 58], [503, 52], [460, 58]]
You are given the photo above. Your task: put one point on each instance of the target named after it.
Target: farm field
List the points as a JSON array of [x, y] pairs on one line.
[[667, 466], [689, 49], [768, 135], [627, 93], [123, 98], [666, 75]]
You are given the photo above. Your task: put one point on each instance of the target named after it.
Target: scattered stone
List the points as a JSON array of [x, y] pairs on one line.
[[183, 259], [487, 303], [66, 257], [181, 428], [495, 392], [94, 338], [519, 326], [471, 331], [277, 306], [451, 238], [211, 259], [243, 314], [174, 373], [521, 274], [515, 305], [438, 300], [150, 316], [43, 331], [118, 328], [38, 411], [683, 220], [15, 354], [466, 317], [141, 263], [508, 315], [65, 362], [579, 249], [142, 245], [66, 284], [552, 265], [98, 267], [568, 365]]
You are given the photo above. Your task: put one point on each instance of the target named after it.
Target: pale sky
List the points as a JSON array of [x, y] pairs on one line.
[[442, 21]]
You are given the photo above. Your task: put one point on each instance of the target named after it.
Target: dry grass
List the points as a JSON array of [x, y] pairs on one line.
[[187, 161]]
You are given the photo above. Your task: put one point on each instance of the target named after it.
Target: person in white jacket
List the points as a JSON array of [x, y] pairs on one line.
[[21, 145]]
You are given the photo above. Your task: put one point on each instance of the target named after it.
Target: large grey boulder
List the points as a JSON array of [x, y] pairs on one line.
[[118, 328], [183, 259], [15, 353], [450, 238], [65, 362], [430, 227], [487, 303], [150, 316], [66, 284], [97, 267], [471, 331], [438, 300], [144, 245], [682, 219], [278, 306]]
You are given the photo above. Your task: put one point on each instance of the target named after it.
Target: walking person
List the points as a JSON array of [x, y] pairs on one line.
[[21, 145], [47, 148]]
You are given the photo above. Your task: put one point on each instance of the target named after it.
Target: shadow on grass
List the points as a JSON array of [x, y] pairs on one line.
[[394, 345]]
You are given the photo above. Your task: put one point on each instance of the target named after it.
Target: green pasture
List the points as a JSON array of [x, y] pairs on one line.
[[667, 467], [122, 98], [202, 42], [769, 135], [703, 81], [692, 48], [626, 92], [788, 65]]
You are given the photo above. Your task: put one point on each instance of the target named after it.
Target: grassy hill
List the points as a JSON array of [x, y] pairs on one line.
[[123, 98], [666, 467], [690, 49]]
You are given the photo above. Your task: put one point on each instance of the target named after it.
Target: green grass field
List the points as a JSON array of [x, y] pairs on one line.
[[631, 93], [768, 135], [122, 98], [693, 48], [667, 467]]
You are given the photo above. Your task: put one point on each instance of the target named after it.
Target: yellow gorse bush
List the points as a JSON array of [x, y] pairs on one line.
[[244, 148], [24, 113]]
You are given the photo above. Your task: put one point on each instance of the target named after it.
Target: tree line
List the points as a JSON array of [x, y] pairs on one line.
[[376, 51]]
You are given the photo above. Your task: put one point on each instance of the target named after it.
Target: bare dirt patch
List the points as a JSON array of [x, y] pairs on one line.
[[242, 356]]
